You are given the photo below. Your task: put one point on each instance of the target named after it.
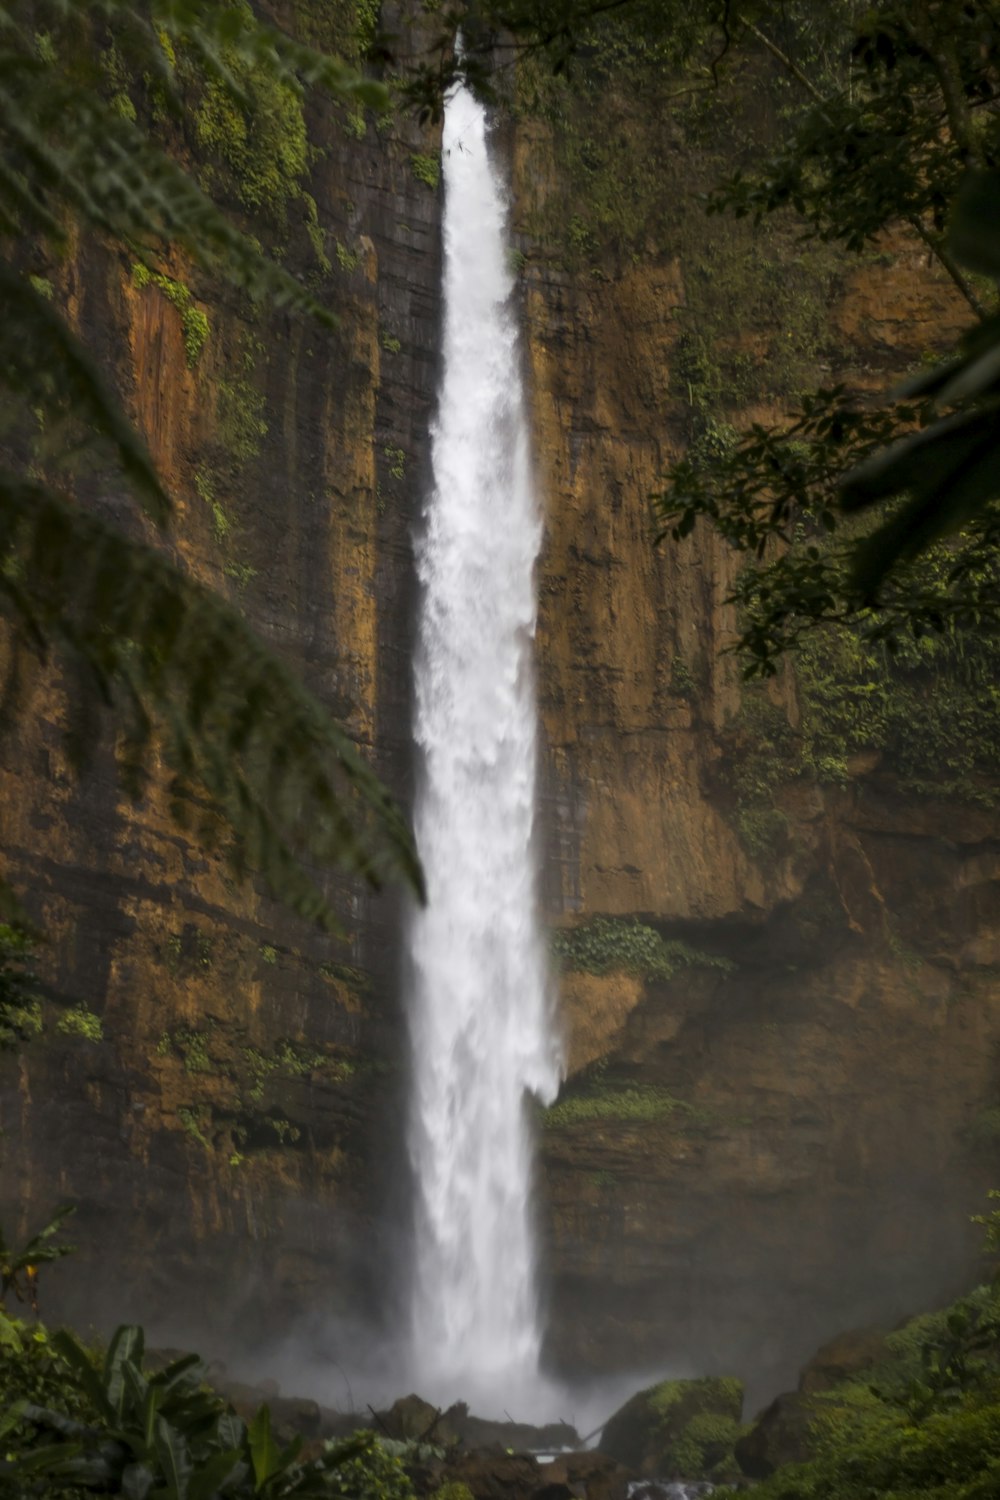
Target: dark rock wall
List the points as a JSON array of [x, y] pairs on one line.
[[232, 1137]]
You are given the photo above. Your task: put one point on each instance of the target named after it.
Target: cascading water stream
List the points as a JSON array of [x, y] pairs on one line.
[[480, 1020]]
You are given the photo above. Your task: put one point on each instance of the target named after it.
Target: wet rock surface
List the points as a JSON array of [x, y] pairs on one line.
[[658, 1431]]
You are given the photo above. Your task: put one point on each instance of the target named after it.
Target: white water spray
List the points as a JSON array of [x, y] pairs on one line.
[[481, 1027]]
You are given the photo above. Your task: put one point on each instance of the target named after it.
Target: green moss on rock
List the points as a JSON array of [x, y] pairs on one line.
[[635, 1103], [683, 1428], [608, 945], [263, 147]]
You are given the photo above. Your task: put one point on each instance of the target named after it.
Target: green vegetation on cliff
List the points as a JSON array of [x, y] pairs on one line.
[[679, 1427], [925, 713], [901, 146], [20, 1005], [621, 1103], [931, 708], [607, 945], [601, 1093], [194, 321]]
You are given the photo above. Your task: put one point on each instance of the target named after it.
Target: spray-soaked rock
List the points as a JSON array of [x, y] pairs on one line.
[[412, 1419], [521, 1437], [681, 1429]]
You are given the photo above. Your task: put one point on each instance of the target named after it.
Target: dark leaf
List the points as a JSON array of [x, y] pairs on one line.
[[974, 235]]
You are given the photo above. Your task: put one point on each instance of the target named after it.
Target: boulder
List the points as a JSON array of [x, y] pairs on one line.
[[678, 1428], [589, 1475], [491, 1474], [780, 1435], [521, 1437], [412, 1419], [846, 1355]]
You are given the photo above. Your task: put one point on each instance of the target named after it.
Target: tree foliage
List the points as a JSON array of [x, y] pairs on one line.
[[843, 506], [923, 1424], [252, 758]]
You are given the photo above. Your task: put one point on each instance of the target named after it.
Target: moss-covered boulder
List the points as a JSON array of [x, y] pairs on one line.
[[678, 1429]]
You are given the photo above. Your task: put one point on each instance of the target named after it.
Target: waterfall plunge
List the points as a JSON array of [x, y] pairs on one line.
[[481, 1027]]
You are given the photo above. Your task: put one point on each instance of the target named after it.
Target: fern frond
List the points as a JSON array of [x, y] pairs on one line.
[[204, 693], [107, 175], [247, 747]]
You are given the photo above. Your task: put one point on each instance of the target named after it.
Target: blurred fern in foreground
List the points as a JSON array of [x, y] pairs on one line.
[[253, 760]]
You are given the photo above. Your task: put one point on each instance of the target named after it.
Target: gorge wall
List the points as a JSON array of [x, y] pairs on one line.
[[778, 941]]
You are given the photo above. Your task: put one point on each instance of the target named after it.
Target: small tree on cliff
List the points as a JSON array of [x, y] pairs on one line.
[[247, 749]]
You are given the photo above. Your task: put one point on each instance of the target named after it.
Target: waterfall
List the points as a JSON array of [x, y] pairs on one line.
[[480, 1022]]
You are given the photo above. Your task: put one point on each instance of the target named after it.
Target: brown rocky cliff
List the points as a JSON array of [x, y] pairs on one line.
[[742, 1162], [226, 1126], [777, 1121]]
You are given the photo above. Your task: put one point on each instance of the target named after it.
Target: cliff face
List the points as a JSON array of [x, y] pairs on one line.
[[778, 988], [782, 1025], [216, 1083]]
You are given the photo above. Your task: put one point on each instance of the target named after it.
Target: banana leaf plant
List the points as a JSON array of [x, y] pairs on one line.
[[158, 1436], [19, 1268]]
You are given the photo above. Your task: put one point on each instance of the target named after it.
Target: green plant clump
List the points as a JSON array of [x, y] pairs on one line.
[[193, 1048], [762, 755], [930, 708], [426, 169], [192, 1121], [79, 1021], [607, 945], [222, 521], [264, 147], [705, 1447], [289, 1060], [20, 1006], [634, 1104], [396, 459], [194, 322], [242, 427]]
